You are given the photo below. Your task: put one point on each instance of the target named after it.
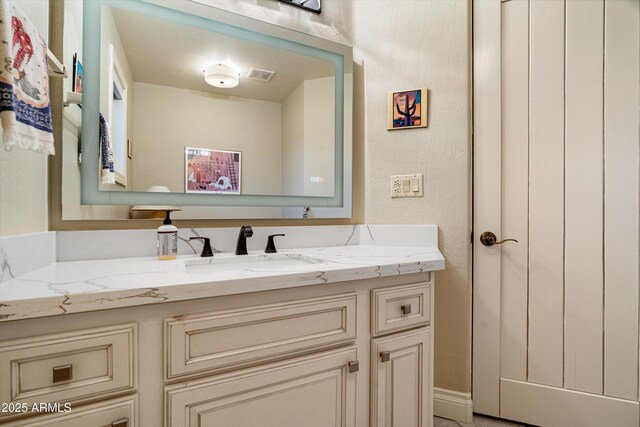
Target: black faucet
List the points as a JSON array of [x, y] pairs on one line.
[[206, 248], [241, 247]]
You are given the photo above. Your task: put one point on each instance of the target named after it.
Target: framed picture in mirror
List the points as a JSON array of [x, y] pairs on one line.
[[78, 72], [212, 171]]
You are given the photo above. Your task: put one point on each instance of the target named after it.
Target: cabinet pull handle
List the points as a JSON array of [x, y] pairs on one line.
[[122, 422], [385, 356], [62, 373], [354, 366], [406, 308]]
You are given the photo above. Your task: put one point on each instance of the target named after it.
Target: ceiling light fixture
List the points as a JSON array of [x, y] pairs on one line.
[[222, 76]]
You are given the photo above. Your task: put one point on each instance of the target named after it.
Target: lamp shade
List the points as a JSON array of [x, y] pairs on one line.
[[222, 76]]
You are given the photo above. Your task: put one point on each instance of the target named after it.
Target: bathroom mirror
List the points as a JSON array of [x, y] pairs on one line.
[[221, 110]]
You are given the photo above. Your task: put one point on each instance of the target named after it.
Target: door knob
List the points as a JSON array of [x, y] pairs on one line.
[[489, 239]]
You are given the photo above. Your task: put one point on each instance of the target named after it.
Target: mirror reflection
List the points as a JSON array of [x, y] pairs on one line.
[[200, 112]]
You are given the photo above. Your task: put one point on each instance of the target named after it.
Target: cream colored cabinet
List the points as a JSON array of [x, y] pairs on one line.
[[399, 308], [226, 339], [349, 354], [400, 380], [113, 413], [67, 368], [311, 391]]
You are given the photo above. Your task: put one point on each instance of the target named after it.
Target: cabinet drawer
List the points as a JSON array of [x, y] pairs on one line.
[[116, 413], [72, 367], [400, 307], [310, 391], [251, 335]]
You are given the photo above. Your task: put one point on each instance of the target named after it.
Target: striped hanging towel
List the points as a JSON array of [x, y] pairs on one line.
[[25, 112], [107, 175]]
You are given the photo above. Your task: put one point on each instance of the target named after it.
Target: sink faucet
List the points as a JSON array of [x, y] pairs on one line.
[[206, 246], [241, 247]]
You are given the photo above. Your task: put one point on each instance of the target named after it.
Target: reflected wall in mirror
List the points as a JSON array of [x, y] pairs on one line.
[[144, 73], [280, 115]]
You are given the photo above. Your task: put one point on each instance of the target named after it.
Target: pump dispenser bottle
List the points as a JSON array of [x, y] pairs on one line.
[[167, 239]]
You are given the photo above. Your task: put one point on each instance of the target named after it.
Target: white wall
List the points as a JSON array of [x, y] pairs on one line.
[[23, 173], [109, 36], [308, 135], [293, 142], [169, 119], [319, 136], [401, 44], [334, 23], [71, 207]]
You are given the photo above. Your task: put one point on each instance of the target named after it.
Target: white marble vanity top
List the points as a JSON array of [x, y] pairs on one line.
[[82, 286]]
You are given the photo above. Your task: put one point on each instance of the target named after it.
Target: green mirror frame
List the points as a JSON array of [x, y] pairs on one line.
[[338, 206]]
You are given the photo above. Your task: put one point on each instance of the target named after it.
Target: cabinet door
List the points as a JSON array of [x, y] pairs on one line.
[[112, 413], [401, 380], [313, 391]]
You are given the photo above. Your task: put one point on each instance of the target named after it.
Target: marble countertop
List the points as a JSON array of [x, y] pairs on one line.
[[82, 286]]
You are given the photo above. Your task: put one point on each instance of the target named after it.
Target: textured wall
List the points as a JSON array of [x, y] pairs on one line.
[[401, 44], [23, 173], [334, 23]]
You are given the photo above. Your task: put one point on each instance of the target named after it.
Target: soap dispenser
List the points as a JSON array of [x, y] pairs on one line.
[[167, 239]]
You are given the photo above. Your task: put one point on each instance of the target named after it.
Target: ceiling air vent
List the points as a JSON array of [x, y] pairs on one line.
[[260, 75]]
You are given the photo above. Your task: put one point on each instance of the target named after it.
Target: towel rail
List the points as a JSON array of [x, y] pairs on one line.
[[55, 67]]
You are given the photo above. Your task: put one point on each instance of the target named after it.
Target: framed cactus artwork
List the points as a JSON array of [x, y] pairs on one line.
[[407, 109]]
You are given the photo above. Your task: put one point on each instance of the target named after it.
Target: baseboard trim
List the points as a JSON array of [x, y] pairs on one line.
[[543, 405], [453, 405]]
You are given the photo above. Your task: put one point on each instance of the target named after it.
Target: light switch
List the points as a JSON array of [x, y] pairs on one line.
[[415, 185], [406, 185]]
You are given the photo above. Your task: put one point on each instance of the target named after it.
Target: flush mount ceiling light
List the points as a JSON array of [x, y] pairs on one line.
[[220, 75]]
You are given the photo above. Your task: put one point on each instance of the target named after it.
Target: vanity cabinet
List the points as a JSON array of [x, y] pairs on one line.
[[401, 356], [313, 391], [400, 379], [66, 368], [112, 413], [351, 354], [228, 339]]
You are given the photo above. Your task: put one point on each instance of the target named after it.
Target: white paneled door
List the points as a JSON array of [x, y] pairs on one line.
[[556, 167]]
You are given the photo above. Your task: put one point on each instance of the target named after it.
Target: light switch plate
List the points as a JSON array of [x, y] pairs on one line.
[[407, 185]]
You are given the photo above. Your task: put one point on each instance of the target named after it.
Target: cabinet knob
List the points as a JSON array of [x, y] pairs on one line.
[[62, 373], [406, 308], [385, 356], [354, 366], [122, 422]]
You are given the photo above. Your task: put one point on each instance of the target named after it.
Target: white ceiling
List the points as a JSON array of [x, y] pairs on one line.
[[169, 54]]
